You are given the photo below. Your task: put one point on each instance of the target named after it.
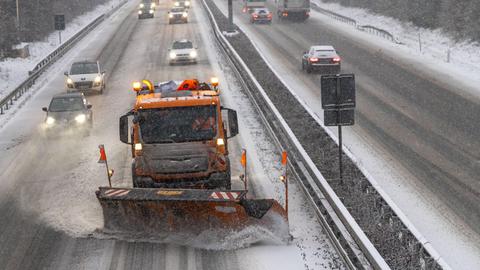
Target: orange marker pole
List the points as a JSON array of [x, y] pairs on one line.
[[285, 179], [244, 164], [103, 159]]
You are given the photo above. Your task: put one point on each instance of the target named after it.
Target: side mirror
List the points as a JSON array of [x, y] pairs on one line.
[[89, 106], [65, 73], [123, 128], [45, 109], [232, 123]]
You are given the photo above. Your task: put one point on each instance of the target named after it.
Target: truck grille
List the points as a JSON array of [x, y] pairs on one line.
[[181, 165]]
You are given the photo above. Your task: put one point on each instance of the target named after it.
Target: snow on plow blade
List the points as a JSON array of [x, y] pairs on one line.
[[205, 218]]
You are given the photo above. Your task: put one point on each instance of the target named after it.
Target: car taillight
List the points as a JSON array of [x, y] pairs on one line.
[[313, 59], [269, 15], [336, 59], [255, 15]]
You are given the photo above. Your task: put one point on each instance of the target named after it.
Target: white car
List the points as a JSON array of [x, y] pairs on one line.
[[182, 51], [85, 76], [178, 14]]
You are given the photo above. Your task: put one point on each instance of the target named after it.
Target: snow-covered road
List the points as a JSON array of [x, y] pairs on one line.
[[406, 137], [47, 185]]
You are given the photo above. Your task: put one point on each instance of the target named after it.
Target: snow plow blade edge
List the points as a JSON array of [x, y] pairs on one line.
[[184, 213]]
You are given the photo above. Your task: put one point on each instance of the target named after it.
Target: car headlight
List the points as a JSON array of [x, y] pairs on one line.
[[50, 120], [173, 55], [98, 79], [187, 3], [140, 12], [193, 54], [151, 11], [81, 118], [152, 5], [170, 15], [142, 5], [69, 81], [177, 4], [185, 14]]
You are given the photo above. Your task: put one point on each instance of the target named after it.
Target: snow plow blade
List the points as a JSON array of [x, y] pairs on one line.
[[207, 218]]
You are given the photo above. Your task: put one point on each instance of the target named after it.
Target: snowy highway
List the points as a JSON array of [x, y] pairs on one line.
[[416, 131], [50, 212]]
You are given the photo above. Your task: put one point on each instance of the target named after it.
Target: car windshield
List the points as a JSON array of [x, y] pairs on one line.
[[178, 45], [63, 104], [84, 68], [177, 9], [179, 124]]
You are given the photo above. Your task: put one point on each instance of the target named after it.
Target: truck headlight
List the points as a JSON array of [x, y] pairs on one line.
[[152, 5], [185, 14], [193, 54], [151, 11], [170, 15], [69, 81], [187, 3], [138, 147], [177, 4], [98, 79], [50, 121], [142, 5], [173, 55], [81, 118], [140, 12]]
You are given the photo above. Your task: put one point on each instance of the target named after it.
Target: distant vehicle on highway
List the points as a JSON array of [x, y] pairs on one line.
[[250, 5], [261, 15], [293, 9], [182, 3], [182, 51], [146, 12], [321, 58], [85, 76], [178, 14], [68, 111], [147, 4]]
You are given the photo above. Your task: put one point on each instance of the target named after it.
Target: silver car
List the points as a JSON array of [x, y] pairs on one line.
[[182, 51], [85, 76], [178, 15], [324, 58]]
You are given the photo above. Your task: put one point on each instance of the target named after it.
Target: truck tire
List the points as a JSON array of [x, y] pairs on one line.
[[222, 180]]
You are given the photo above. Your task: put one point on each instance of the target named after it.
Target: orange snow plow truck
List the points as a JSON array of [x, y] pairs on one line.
[[178, 133]]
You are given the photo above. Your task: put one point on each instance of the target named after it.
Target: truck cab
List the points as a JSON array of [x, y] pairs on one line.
[[179, 139]]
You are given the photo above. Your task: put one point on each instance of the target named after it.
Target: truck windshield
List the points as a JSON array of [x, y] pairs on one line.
[[84, 68], [178, 124]]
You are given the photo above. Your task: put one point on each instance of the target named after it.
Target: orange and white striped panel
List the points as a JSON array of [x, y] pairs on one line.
[[221, 195], [116, 192]]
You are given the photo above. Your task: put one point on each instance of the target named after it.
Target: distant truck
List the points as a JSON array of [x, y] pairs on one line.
[[250, 5], [293, 9], [178, 136]]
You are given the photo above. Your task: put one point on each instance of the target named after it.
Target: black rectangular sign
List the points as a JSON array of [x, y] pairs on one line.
[[343, 117], [59, 22], [343, 97]]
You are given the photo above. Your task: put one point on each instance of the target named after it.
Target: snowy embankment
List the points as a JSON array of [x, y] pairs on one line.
[[432, 47], [14, 71]]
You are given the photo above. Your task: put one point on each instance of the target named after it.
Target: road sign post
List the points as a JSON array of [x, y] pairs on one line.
[[338, 103], [59, 25]]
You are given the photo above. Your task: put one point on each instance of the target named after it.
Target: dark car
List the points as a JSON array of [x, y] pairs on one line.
[[324, 58], [261, 15], [68, 111]]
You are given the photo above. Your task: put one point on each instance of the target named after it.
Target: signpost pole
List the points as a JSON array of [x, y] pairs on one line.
[[340, 153], [59, 37], [230, 16]]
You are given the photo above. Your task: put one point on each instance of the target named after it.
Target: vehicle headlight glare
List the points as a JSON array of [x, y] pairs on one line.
[[152, 5], [98, 79], [140, 12], [50, 120], [138, 147], [177, 4], [81, 118], [69, 81], [151, 11], [187, 3], [142, 5], [193, 54], [173, 55], [185, 14], [170, 15]]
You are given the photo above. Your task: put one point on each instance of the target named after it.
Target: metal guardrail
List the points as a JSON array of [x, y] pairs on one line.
[[339, 223], [365, 28], [8, 100]]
